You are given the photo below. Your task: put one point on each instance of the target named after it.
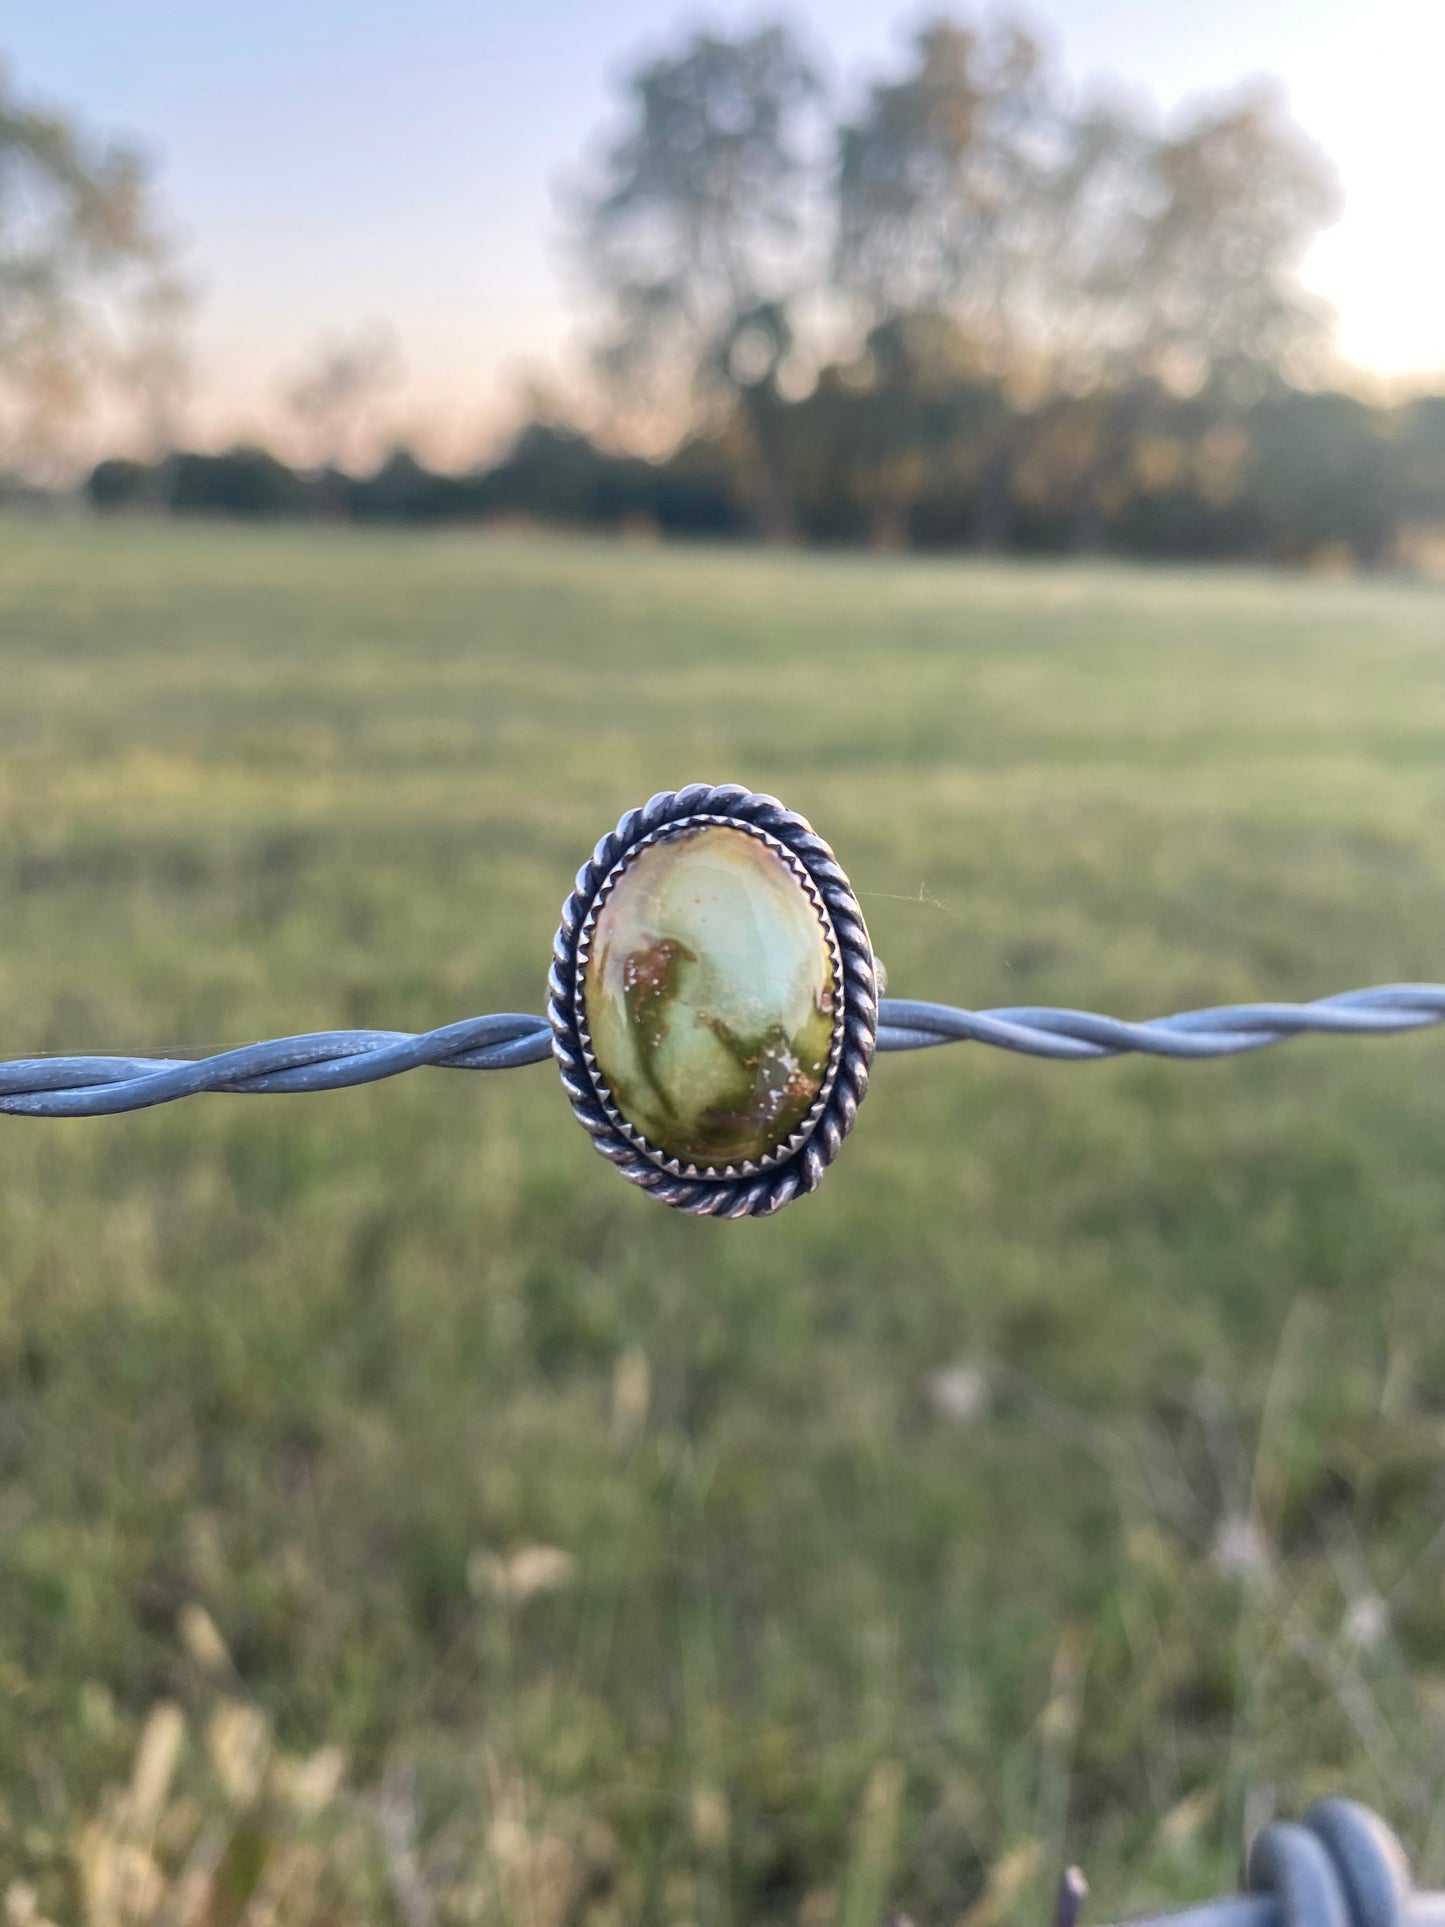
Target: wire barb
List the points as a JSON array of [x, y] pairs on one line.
[[333, 1060]]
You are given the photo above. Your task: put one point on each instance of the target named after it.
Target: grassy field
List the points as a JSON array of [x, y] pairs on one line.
[[403, 1519]]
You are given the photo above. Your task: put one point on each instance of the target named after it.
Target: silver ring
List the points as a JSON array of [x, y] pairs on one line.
[[748, 1186]]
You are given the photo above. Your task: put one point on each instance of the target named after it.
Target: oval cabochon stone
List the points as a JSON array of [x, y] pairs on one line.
[[709, 995]]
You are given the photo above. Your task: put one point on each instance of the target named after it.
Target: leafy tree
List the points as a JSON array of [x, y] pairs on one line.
[[84, 279], [1320, 476], [970, 192], [118, 482], [244, 482], [153, 364], [693, 237], [1228, 209], [937, 180], [1196, 283], [332, 395], [986, 227], [1420, 440], [913, 417], [1072, 242]]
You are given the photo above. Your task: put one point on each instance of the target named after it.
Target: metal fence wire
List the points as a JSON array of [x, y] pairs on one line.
[[1342, 1867], [333, 1060]]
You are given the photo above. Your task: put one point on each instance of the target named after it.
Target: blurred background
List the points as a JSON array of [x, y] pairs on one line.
[[1018, 441]]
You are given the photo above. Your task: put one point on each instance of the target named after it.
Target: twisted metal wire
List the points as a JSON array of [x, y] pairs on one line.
[[333, 1060], [1342, 1867], [1227, 1030], [327, 1060]]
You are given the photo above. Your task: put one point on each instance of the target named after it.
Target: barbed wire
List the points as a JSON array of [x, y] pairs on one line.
[[333, 1060]]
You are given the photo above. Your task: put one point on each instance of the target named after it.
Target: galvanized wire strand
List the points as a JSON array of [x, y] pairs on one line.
[[1341, 1868], [334, 1060], [328, 1060], [1225, 1031]]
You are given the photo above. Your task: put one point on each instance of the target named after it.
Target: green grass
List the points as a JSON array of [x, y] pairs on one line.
[[288, 1385]]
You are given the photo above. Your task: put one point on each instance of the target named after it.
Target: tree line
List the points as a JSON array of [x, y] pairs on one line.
[[1295, 478], [971, 309]]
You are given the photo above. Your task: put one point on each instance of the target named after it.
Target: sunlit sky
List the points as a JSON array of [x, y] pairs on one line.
[[328, 164]]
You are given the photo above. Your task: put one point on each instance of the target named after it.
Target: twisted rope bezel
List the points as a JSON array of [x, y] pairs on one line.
[[764, 1186]]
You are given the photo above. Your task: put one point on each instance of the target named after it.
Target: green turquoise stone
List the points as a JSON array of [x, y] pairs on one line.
[[709, 995]]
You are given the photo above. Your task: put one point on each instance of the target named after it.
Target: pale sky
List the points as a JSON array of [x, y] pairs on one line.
[[332, 164]]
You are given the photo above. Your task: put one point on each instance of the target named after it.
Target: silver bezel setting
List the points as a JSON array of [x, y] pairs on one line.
[[755, 1188]]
